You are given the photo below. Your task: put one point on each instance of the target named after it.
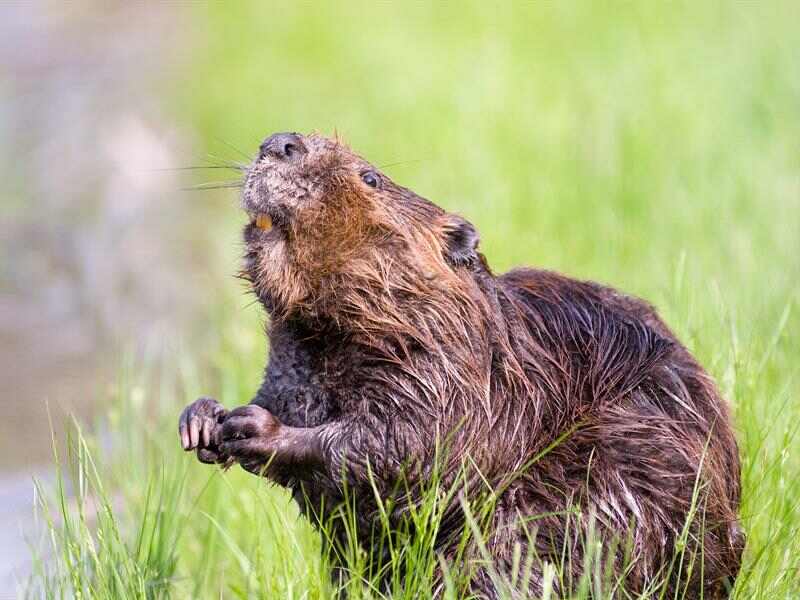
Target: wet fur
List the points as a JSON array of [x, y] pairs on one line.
[[389, 331]]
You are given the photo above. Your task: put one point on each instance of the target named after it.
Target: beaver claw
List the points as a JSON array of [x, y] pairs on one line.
[[199, 429]]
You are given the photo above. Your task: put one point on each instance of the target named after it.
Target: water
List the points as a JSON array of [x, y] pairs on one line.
[[89, 257]]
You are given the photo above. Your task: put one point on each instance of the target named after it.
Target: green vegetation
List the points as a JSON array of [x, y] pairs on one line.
[[652, 147]]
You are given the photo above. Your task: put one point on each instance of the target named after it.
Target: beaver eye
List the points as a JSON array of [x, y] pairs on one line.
[[371, 179]]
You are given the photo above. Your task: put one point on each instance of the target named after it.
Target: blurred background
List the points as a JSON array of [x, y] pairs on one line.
[[653, 147]]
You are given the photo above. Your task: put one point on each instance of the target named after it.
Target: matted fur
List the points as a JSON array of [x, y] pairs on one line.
[[388, 332]]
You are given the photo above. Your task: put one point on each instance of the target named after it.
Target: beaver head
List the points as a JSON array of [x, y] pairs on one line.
[[330, 231]]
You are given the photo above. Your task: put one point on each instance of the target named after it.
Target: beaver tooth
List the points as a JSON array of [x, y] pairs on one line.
[[263, 221]]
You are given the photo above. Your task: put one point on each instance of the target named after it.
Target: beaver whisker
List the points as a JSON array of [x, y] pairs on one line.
[[399, 162], [214, 185], [202, 167], [233, 163], [240, 152]]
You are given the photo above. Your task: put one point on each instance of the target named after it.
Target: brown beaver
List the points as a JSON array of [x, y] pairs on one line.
[[390, 334]]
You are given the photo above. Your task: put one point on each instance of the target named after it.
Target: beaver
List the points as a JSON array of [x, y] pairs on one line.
[[390, 338]]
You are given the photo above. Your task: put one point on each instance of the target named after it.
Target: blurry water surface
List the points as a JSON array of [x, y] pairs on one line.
[[97, 240], [98, 247]]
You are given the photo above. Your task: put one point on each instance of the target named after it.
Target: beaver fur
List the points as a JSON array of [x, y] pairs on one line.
[[389, 333]]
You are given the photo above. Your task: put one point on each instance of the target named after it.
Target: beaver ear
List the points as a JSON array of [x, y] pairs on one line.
[[461, 241]]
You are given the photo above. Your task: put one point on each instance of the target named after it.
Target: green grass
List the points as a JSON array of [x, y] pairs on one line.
[[652, 147]]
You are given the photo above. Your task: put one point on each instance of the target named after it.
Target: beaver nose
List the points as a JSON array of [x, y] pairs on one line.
[[283, 146]]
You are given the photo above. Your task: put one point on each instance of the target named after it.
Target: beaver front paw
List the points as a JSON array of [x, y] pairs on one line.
[[251, 436], [199, 429]]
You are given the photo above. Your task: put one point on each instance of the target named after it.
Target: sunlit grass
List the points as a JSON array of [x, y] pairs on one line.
[[135, 517]]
